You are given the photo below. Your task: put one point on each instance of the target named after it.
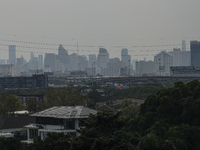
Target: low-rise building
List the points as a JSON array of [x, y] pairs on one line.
[[58, 119], [24, 82]]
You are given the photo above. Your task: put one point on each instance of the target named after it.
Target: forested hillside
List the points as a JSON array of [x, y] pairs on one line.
[[167, 120]]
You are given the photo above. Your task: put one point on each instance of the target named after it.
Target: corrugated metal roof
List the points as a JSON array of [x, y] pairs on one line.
[[66, 112]]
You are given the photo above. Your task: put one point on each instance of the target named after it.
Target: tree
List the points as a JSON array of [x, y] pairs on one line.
[[34, 105], [9, 103], [64, 97]]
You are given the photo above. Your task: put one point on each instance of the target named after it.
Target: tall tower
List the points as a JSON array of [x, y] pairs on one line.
[[195, 53], [125, 57], [12, 54], [183, 45]]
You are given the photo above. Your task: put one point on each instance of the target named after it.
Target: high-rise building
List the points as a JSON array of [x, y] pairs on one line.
[[63, 57], [73, 61], [92, 60], [183, 45], [195, 53], [186, 58], [12, 54], [31, 56], [50, 62], [125, 57], [102, 59], [163, 61], [177, 57], [40, 59], [143, 67]]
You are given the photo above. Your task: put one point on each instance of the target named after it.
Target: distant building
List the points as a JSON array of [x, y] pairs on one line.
[[144, 68], [195, 53], [125, 57], [92, 59], [177, 57], [24, 82], [82, 62], [40, 61], [12, 54], [183, 46], [186, 58], [73, 61], [50, 62], [102, 59], [163, 61], [7, 70], [63, 57], [113, 68], [185, 71]]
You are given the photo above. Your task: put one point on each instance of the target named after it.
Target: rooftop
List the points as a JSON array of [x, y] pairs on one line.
[[66, 112]]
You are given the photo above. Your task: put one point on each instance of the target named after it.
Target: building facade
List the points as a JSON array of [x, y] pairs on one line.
[[24, 82], [12, 54], [163, 61], [195, 53]]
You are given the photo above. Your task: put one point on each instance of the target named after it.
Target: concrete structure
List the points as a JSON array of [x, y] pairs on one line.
[[92, 59], [144, 68], [35, 81], [195, 53], [177, 57], [183, 46], [73, 61], [7, 70], [113, 68], [125, 57], [102, 59], [163, 61], [12, 54], [63, 58], [186, 58], [58, 119], [185, 71], [50, 62]]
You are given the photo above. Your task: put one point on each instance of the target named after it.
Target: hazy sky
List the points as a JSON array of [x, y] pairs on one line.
[[113, 24]]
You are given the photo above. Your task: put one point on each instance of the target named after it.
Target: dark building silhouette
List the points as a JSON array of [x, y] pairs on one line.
[[195, 53]]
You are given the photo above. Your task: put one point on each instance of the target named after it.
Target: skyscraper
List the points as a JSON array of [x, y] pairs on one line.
[[63, 57], [125, 57], [40, 59], [12, 54], [92, 59], [102, 59], [183, 45], [163, 61], [195, 53], [50, 62]]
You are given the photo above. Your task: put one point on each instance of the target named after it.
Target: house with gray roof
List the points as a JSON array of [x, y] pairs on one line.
[[58, 119]]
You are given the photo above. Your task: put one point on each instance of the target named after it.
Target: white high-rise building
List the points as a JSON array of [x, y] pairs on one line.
[[102, 59], [92, 60], [125, 57], [163, 61], [177, 57]]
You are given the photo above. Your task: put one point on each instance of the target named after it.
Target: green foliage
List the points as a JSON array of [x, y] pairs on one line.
[[64, 97], [10, 144], [34, 105], [94, 96], [128, 109], [9, 104]]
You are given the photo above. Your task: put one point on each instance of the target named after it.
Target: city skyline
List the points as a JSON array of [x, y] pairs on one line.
[[110, 24]]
